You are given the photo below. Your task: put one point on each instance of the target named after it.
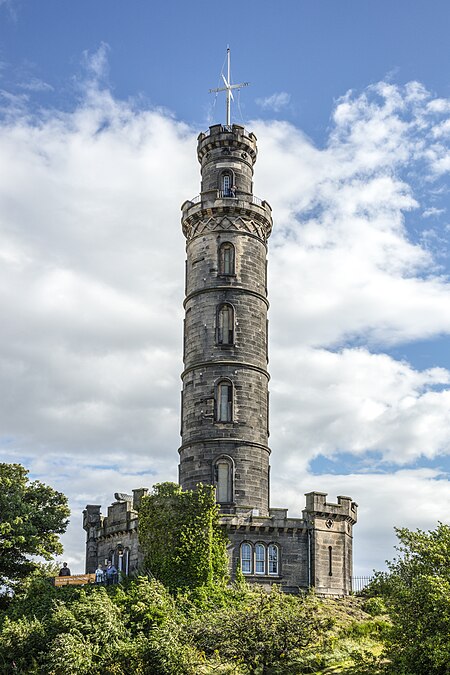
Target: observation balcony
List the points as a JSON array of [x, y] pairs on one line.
[[226, 198], [218, 203]]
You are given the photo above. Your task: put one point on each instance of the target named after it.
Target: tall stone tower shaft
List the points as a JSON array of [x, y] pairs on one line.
[[225, 380]]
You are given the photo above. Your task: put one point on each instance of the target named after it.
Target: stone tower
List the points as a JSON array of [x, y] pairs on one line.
[[225, 379]]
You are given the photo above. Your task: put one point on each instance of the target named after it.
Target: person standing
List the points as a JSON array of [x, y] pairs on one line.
[[99, 575], [64, 571], [111, 573]]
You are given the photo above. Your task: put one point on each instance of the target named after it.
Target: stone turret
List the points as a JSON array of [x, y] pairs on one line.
[[331, 542]]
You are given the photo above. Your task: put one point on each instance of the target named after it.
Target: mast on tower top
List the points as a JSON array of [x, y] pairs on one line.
[[228, 88]]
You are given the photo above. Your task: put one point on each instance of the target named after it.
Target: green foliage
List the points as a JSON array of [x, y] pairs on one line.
[[265, 632], [417, 594], [181, 538], [32, 516], [141, 627], [96, 631], [375, 606]]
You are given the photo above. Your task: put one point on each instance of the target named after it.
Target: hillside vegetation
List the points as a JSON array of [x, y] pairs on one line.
[[140, 627]]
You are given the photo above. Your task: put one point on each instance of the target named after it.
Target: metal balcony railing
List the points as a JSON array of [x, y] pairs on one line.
[[228, 194]]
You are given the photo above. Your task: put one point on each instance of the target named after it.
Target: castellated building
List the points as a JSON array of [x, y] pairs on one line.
[[225, 397]]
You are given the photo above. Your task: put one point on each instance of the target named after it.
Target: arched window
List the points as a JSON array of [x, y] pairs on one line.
[[246, 558], [224, 401], [223, 476], [330, 561], [226, 184], [225, 325], [260, 559], [226, 258], [273, 559]]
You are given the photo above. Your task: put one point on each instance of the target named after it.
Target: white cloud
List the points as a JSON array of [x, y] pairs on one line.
[[36, 84], [432, 212], [91, 289], [275, 102], [355, 401]]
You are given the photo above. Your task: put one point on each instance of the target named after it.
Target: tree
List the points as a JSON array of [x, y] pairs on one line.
[[266, 632], [180, 535], [417, 593], [32, 516]]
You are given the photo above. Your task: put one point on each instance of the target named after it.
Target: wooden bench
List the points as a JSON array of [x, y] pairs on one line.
[[74, 580]]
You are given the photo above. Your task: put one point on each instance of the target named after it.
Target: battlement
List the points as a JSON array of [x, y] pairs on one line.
[[114, 536], [317, 505], [220, 136]]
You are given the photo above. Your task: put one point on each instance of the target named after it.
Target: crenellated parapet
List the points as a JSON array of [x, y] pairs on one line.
[[114, 536]]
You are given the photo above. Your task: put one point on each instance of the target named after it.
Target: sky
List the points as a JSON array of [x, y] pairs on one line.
[[100, 107]]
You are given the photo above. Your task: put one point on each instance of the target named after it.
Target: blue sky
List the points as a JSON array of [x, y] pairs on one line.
[[100, 107]]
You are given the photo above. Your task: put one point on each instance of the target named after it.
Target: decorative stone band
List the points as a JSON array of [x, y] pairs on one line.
[[232, 364], [218, 289], [224, 441], [199, 221]]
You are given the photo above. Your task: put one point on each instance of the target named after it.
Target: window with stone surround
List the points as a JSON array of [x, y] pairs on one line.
[[226, 264], [260, 559], [225, 325], [224, 401], [223, 478], [330, 561], [226, 184], [246, 558], [273, 559]]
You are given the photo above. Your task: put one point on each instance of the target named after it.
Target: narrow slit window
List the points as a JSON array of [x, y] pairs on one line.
[[273, 559], [224, 403], [226, 258], [330, 561], [246, 559], [225, 325], [260, 559]]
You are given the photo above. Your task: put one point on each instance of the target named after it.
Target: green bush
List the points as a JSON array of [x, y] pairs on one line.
[[375, 606]]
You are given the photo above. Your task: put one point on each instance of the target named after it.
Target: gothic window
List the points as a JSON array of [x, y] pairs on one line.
[[273, 559], [260, 559], [225, 325], [226, 258], [224, 480], [246, 558], [224, 401]]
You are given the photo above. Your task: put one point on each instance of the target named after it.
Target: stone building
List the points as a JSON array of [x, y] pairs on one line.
[[225, 397]]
